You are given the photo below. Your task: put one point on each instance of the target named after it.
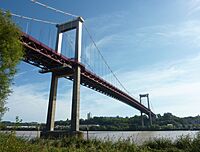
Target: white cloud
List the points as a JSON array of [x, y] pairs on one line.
[[30, 103], [24, 72], [193, 7], [174, 37], [90, 49], [172, 86], [105, 23], [185, 33], [101, 105]]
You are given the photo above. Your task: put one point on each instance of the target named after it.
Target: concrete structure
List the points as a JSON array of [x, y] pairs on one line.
[[49, 60], [150, 115], [142, 120], [52, 103], [77, 25]]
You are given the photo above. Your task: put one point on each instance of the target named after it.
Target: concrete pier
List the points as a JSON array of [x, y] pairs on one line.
[[52, 103], [77, 25], [142, 120], [150, 116], [76, 101], [77, 78]]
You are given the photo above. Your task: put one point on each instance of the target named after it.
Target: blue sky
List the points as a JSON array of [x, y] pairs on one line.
[[152, 46]]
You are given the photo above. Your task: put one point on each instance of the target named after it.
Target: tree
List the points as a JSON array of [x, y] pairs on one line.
[[11, 51]]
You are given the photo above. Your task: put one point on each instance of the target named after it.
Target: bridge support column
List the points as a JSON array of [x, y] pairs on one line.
[[77, 25], [76, 101], [52, 103], [142, 120], [150, 118], [77, 79]]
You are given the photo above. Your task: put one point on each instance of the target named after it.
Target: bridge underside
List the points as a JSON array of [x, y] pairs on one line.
[[48, 60]]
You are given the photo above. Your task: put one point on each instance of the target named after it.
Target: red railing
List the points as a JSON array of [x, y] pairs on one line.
[[42, 56]]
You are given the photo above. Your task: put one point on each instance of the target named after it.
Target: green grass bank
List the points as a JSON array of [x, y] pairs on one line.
[[11, 143]]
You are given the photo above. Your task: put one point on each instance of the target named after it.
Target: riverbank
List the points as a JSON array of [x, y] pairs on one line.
[[85, 129], [11, 143], [138, 137]]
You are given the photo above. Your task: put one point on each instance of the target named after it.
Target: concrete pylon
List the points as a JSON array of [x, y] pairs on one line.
[[142, 120], [61, 28], [53, 90], [150, 117], [77, 78], [71, 25], [76, 101], [52, 103]]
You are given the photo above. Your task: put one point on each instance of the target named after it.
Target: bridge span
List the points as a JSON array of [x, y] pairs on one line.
[[49, 60]]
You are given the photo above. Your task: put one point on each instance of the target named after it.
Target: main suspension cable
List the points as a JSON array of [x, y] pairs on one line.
[[72, 15], [32, 19], [52, 8], [104, 58]]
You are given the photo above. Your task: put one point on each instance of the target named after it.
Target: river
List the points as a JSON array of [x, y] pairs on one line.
[[137, 137]]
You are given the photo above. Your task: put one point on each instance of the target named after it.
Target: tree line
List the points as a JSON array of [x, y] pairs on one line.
[[167, 121]]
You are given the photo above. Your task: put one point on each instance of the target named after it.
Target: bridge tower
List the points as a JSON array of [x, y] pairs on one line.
[[61, 28], [150, 117]]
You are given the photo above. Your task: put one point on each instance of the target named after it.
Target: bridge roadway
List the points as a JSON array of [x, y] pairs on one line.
[[40, 55]]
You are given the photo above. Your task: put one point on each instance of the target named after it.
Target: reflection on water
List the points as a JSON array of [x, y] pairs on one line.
[[137, 137]]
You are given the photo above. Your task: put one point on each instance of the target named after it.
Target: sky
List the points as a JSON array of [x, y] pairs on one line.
[[152, 47]]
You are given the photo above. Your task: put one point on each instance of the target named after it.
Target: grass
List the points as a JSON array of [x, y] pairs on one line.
[[10, 143]]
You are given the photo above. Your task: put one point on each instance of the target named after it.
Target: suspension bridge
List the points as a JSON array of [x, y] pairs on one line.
[[81, 73]]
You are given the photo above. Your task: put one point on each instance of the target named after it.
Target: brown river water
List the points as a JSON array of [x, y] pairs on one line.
[[137, 137]]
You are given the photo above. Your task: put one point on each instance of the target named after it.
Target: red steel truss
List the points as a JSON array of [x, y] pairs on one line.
[[40, 55]]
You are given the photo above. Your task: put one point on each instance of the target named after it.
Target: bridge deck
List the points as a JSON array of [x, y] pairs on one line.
[[40, 55]]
